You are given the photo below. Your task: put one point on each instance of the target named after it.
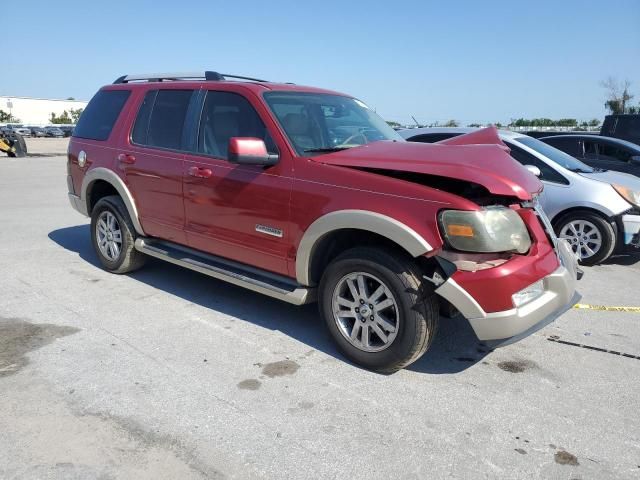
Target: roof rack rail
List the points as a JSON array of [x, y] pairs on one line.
[[161, 77]]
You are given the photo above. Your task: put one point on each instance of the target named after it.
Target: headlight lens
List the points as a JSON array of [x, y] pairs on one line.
[[493, 229], [629, 195]]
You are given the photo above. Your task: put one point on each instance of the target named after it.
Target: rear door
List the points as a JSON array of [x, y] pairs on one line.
[[153, 161], [239, 212], [614, 157]]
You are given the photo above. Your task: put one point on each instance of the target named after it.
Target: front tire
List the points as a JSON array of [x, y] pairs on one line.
[[113, 236], [591, 236], [377, 308]]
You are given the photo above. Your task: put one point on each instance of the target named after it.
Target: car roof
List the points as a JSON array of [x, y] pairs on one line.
[[256, 87], [412, 132], [599, 138]]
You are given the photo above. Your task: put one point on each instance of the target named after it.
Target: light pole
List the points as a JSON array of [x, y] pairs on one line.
[[10, 106]]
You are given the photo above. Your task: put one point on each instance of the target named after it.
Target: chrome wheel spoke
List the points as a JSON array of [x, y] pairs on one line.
[[376, 328], [345, 303], [355, 331], [365, 336], [376, 295], [362, 287], [388, 326], [384, 304]]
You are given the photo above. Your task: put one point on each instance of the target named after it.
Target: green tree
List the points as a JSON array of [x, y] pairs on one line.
[[497, 125], [474, 125], [62, 119], [594, 122], [391, 123], [451, 123], [4, 116], [618, 95], [75, 114]]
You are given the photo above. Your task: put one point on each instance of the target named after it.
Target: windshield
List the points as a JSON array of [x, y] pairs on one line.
[[558, 156], [322, 123]]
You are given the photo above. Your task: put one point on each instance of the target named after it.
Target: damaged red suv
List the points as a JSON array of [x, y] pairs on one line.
[[307, 195]]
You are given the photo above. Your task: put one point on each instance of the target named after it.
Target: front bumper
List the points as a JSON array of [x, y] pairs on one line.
[[558, 296], [631, 224]]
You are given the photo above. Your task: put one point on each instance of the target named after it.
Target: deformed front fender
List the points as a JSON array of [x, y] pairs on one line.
[[388, 227], [101, 173]]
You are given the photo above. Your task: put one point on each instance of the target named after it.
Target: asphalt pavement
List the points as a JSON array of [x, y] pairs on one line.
[[166, 373]]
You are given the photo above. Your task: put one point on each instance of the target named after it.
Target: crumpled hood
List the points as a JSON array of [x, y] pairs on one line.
[[487, 165], [619, 178]]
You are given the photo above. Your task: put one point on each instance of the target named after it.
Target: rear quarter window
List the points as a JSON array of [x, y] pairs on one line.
[[101, 114]]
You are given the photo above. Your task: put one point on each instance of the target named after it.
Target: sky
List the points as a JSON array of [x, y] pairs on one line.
[[472, 61]]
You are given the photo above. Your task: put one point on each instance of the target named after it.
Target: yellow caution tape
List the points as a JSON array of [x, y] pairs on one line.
[[585, 306]]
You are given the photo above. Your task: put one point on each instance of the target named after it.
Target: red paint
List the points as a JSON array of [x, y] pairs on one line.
[[213, 205], [247, 146]]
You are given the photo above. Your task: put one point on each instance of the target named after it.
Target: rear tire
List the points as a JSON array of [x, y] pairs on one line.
[[380, 293], [591, 236], [113, 236]]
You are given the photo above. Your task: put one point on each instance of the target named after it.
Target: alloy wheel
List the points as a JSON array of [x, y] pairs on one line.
[[583, 236], [109, 236], [365, 311]]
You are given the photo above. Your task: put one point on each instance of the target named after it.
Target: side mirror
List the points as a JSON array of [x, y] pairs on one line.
[[635, 159], [249, 151], [533, 169]]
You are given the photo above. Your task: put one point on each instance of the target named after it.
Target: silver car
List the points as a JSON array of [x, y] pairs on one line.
[[596, 211]]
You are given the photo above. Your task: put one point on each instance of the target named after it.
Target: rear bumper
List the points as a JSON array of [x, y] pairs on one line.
[[631, 225], [558, 295]]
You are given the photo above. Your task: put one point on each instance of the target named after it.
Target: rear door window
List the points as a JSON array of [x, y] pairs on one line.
[[161, 118], [101, 114]]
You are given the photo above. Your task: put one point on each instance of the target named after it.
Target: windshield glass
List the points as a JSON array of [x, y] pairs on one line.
[[321, 123], [558, 156]]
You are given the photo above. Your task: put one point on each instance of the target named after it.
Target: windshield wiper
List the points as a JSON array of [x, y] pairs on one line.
[[326, 149], [580, 170]]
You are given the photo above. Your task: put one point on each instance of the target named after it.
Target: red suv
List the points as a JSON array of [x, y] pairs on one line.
[[305, 194]]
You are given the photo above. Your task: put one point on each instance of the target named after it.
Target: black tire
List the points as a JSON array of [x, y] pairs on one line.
[[129, 259], [606, 230], [417, 305]]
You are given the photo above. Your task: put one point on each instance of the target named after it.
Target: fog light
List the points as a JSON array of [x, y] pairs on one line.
[[528, 294]]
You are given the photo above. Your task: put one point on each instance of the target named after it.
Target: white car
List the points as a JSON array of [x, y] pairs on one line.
[[596, 211]]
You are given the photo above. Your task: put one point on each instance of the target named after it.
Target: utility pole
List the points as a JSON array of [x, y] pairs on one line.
[[416, 121]]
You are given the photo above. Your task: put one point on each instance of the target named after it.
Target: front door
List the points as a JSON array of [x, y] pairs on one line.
[[240, 212]]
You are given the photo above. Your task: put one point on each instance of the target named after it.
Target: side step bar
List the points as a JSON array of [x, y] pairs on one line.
[[267, 283]]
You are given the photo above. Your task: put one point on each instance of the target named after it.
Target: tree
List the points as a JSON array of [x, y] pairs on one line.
[[474, 125], [594, 122], [75, 114], [497, 125], [4, 116], [618, 95], [70, 98], [63, 118], [391, 123], [451, 123]]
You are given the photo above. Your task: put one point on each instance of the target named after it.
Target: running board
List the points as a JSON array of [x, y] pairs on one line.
[[267, 283]]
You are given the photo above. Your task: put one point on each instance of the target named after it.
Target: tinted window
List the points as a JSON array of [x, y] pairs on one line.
[[227, 115], [432, 137], [101, 113], [567, 145], [557, 156], [166, 120], [614, 152], [547, 173], [141, 127]]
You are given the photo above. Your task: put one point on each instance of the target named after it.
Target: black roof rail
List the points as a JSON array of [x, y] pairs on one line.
[[160, 77]]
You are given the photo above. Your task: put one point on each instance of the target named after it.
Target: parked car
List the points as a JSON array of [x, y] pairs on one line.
[[597, 212], [625, 127], [53, 132], [301, 194], [67, 130], [37, 131], [548, 133], [600, 152], [19, 129]]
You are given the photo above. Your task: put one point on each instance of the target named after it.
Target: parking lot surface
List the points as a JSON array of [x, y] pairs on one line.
[[165, 373]]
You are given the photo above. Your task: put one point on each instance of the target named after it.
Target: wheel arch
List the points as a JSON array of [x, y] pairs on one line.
[[368, 225], [99, 176]]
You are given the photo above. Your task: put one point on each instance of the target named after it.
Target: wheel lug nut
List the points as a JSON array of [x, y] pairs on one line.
[[357, 310], [371, 318], [370, 306], [361, 302]]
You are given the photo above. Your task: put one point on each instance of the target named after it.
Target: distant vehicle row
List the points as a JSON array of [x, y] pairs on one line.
[[58, 131]]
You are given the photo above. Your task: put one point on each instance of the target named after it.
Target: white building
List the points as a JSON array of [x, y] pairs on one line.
[[36, 111]]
